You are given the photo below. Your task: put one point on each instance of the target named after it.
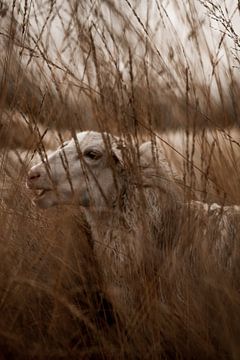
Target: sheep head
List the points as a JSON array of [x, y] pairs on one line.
[[93, 168], [82, 170]]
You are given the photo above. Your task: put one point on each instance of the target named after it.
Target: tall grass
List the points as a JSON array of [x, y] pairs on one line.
[[129, 67]]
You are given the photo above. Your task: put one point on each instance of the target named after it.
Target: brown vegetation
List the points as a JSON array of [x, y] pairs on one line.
[[106, 69]]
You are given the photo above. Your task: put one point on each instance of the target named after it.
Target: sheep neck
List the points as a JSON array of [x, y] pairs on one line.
[[136, 212], [126, 235]]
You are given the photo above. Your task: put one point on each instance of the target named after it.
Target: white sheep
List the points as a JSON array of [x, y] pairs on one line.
[[131, 200], [125, 192]]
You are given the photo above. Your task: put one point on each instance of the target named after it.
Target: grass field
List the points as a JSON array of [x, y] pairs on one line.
[[166, 70]]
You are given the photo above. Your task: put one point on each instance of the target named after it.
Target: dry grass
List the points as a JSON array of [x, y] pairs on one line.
[[109, 66]]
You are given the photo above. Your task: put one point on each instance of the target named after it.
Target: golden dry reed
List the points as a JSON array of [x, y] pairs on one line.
[[165, 71]]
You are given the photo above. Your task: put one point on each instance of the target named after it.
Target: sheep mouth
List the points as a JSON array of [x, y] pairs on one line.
[[40, 194]]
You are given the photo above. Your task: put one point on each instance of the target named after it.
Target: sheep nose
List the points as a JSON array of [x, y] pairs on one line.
[[33, 175]]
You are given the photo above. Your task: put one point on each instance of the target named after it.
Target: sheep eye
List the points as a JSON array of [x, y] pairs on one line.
[[93, 155], [63, 145]]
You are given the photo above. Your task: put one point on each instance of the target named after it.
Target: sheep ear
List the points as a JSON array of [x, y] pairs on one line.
[[151, 154], [146, 154], [118, 150]]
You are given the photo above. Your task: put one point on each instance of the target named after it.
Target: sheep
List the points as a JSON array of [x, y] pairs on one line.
[[111, 181], [132, 203]]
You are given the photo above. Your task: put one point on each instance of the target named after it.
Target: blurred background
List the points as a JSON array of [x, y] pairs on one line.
[[117, 64]]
